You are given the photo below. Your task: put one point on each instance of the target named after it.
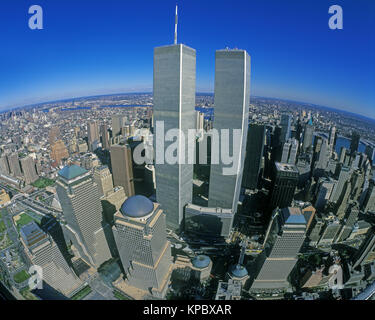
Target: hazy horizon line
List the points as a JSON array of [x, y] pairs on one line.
[[197, 92]]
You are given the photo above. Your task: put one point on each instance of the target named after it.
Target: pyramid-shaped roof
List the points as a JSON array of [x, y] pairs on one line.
[[72, 171]]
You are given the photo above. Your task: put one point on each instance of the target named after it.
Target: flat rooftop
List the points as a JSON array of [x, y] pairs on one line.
[[286, 167]]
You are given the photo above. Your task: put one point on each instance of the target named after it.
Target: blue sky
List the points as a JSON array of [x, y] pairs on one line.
[[98, 47]]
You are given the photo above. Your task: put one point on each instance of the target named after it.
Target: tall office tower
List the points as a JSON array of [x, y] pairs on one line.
[[370, 152], [369, 200], [122, 167], [357, 181], [331, 139], [118, 121], [4, 165], [111, 197], [254, 151], [308, 135], [342, 155], [103, 178], [356, 159], [303, 166], [105, 136], [232, 98], [132, 129], [343, 177], [29, 170], [354, 143], [200, 120], [352, 214], [284, 184], [317, 145], [350, 219], [284, 241], [342, 203], [125, 131], [324, 192], [293, 151], [323, 158], [92, 134], [299, 129], [54, 134], [174, 106], [145, 252], [285, 124], [14, 164], [80, 201], [59, 151], [286, 150], [42, 250]]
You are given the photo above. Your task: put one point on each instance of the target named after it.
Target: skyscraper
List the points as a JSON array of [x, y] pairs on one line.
[[111, 197], [232, 97], [118, 122], [254, 152], [354, 143], [293, 151], [14, 164], [331, 139], [285, 123], [286, 150], [42, 250], [103, 178], [174, 106], [4, 165], [29, 170], [283, 242], [92, 134], [105, 136], [323, 157], [289, 153], [80, 201], [343, 178], [308, 135], [370, 152], [284, 184], [200, 120], [145, 252], [122, 167]]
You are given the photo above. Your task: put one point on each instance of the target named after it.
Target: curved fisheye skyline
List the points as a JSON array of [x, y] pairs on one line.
[[107, 47]]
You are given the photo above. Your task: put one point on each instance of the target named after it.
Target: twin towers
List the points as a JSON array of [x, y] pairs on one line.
[[174, 104]]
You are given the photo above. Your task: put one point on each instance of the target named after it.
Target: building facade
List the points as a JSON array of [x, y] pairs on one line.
[[145, 252], [254, 152], [80, 201], [122, 167], [174, 108], [232, 98]]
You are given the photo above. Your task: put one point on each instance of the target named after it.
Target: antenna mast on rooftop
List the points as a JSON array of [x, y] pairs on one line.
[[175, 27]]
